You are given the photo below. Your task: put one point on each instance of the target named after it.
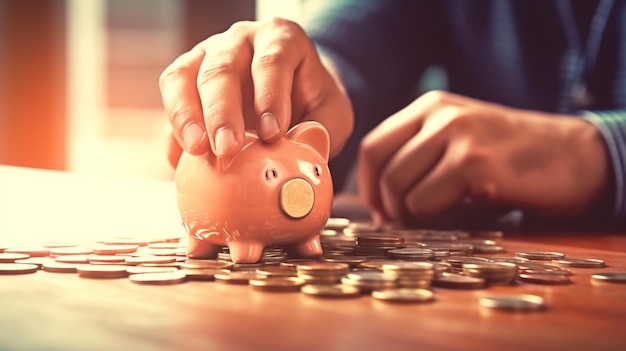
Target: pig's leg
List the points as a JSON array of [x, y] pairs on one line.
[[309, 248], [245, 252], [197, 248]]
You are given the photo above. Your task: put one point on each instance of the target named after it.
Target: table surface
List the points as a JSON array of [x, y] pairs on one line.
[[47, 311]]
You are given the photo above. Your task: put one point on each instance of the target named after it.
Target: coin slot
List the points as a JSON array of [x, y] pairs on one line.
[[318, 170]]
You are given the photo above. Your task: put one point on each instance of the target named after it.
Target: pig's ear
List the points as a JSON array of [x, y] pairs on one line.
[[312, 134]]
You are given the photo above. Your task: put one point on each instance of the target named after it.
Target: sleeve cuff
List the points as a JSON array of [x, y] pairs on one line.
[[612, 125]]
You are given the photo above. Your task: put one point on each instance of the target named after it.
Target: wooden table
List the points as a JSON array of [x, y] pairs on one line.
[[48, 311]]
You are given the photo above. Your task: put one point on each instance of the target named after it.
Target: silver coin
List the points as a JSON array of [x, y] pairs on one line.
[[580, 262], [610, 277], [540, 255], [522, 302]]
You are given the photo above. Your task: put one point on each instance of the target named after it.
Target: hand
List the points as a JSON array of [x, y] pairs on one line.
[[264, 76], [445, 149]]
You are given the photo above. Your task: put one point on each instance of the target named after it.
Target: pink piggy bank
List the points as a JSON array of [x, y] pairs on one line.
[[268, 194]]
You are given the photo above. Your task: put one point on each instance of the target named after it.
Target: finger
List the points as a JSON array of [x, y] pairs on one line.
[[441, 188], [279, 49], [219, 82], [173, 149], [378, 147], [408, 166], [182, 103]]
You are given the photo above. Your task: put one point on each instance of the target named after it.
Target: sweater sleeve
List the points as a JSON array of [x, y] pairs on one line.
[[612, 126], [381, 49]]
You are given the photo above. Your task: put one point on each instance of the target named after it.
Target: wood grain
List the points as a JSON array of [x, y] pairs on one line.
[[55, 311]]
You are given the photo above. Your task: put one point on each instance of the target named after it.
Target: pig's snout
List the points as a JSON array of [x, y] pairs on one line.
[[296, 198]]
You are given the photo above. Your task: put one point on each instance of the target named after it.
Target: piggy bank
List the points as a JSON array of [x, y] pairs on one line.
[[269, 194]]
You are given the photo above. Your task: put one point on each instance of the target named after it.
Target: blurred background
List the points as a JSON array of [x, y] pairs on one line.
[[79, 78]]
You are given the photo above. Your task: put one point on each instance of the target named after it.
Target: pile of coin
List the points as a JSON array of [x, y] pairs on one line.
[[360, 258]]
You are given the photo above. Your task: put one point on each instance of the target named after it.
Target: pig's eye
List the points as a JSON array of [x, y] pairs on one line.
[[318, 170], [271, 174]]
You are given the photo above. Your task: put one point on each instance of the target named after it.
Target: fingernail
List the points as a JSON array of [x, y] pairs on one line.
[[225, 141], [193, 133], [268, 126]]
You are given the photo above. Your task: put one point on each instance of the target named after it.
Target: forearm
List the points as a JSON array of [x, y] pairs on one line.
[[612, 125]]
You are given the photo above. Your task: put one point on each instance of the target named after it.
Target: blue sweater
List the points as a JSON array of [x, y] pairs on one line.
[[562, 56]]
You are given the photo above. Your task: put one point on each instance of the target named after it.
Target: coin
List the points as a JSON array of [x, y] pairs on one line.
[[39, 261], [457, 281], [609, 277], [58, 267], [547, 279], [323, 268], [337, 223], [102, 271], [580, 262], [106, 259], [242, 277], [104, 249], [12, 257], [72, 259], [162, 278], [140, 269], [136, 260], [403, 295], [18, 268], [204, 274], [296, 198], [71, 250], [271, 271], [213, 264], [332, 290], [411, 253], [31, 251], [521, 303], [353, 261], [277, 284], [540, 255]]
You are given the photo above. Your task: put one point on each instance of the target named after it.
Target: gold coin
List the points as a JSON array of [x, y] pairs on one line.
[[140, 269], [31, 251], [102, 271], [106, 259], [210, 264], [241, 277], [104, 249], [270, 271], [323, 268], [71, 250], [72, 259], [162, 278], [136, 260], [282, 284], [297, 198], [39, 261], [457, 281], [204, 274], [58, 267], [12, 257], [334, 290], [403, 295], [18, 268], [522, 302]]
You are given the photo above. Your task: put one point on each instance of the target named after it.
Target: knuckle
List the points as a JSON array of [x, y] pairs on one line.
[[172, 73], [179, 115], [220, 64], [284, 24], [240, 28], [435, 96], [272, 56]]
